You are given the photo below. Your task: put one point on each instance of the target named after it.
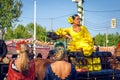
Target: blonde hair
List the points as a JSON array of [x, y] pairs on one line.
[[59, 53], [24, 52]]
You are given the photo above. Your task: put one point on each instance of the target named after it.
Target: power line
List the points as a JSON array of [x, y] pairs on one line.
[[102, 10], [52, 17], [95, 29]]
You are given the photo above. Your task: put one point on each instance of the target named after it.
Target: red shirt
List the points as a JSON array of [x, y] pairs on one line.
[[15, 75]]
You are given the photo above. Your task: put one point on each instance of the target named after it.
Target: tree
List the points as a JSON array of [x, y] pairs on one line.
[[114, 39], [9, 34], [40, 31], [100, 39], [21, 32], [111, 39], [10, 11], [30, 28]]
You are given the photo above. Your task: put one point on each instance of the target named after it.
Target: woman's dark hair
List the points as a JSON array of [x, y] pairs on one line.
[[73, 16]]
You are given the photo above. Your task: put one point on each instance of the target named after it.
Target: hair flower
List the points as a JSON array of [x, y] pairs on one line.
[[70, 20]]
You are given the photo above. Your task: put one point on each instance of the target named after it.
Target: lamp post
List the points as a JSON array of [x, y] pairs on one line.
[[80, 9], [34, 42]]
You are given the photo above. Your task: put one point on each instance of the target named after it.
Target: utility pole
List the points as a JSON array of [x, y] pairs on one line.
[[107, 41], [113, 25], [34, 42], [52, 24], [80, 9]]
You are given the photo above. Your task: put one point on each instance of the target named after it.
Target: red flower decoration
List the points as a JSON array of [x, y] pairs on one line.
[[18, 44]]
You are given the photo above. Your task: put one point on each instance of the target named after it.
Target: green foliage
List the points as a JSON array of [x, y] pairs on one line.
[[10, 11], [99, 39], [113, 39], [9, 33], [40, 31], [21, 32], [26, 32], [30, 28]]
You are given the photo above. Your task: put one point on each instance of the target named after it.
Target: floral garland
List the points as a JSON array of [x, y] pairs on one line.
[[18, 44]]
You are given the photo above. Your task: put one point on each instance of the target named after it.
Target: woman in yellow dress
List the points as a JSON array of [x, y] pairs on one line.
[[80, 40]]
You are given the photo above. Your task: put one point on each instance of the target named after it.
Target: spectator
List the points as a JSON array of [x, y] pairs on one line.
[[3, 50], [56, 70], [21, 68]]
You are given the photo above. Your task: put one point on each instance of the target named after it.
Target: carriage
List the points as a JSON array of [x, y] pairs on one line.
[[109, 64]]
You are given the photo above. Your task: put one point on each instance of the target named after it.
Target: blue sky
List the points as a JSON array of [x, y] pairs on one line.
[[54, 13]]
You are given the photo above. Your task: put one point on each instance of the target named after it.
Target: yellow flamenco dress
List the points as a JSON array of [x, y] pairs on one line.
[[81, 40]]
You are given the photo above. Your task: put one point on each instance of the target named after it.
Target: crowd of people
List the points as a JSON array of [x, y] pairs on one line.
[[23, 66]]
